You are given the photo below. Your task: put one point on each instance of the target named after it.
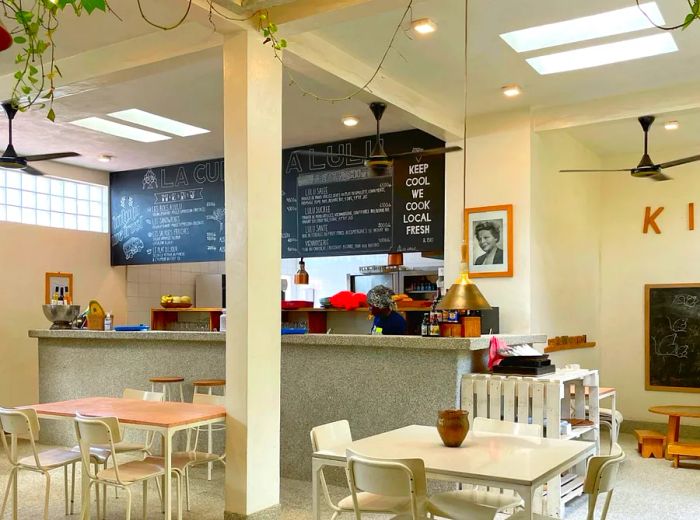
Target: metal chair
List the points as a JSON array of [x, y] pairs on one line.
[[93, 432], [335, 434], [210, 384], [25, 423]]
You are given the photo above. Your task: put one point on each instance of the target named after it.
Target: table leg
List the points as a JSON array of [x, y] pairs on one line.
[[167, 487], [672, 433], [13, 457], [527, 493], [315, 477]]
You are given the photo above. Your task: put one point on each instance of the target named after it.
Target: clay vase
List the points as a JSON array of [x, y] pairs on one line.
[[453, 426]]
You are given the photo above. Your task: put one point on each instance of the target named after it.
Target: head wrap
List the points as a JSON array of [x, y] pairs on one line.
[[380, 297]]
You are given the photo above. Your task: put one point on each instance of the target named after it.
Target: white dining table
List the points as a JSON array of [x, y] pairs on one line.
[[485, 459]]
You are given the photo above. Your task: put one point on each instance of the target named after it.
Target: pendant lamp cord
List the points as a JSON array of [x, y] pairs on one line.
[[464, 137]]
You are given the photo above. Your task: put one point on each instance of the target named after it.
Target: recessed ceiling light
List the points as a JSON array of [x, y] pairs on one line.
[[143, 118], [600, 25], [511, 90], [424, 26], [350, 121], [105, 157], [671, 125], [604, 54], [128, 132]]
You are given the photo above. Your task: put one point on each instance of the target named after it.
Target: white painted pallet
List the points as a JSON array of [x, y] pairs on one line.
[[544, 400]]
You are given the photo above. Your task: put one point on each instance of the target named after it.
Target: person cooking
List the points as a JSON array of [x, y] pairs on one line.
[[387, 321]]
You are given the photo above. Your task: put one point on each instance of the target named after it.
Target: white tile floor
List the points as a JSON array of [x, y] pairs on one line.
[[647, 489]]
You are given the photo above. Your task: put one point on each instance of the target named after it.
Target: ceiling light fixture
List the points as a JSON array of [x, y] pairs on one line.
[[511, 90], [105, 157], [350, 121], [164, 124], [671, 125], [128, 132], [423, 26], [463, 294], [604, 54], [619, 21]]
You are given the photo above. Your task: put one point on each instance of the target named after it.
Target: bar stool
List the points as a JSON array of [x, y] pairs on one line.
[[210, 384], [166, 382]]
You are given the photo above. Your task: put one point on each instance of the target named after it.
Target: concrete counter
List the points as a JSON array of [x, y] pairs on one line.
[[378, 383]]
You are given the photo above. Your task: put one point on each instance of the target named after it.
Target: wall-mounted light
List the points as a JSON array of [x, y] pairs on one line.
[[350, 121], [511, 90], [671, 125], [105, 157], [423, 26]]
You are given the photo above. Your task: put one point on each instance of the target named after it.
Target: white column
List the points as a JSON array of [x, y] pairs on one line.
[[253, 164]]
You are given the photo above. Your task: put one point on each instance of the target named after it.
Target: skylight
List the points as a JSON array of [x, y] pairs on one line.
[[140, 117], [110, 127], [619, 21], [604, 54]]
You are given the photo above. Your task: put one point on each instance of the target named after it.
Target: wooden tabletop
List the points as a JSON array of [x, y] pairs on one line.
[[679, 411], [134, 411]]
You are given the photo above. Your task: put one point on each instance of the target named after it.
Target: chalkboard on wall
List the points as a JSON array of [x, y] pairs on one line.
[[168, 214], [672, 334], [333, 206]]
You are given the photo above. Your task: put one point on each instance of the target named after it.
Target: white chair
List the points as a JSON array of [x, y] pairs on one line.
[[451, 504], [335, 434], [611, 423], [601, 475], [182, 461], [402, 479], [25, 423], [209, 385], [99, 431]]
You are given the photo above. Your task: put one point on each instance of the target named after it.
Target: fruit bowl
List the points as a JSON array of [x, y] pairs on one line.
[[171, 305]]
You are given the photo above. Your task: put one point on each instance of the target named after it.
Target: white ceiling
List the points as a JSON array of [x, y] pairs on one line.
[[189, 88]]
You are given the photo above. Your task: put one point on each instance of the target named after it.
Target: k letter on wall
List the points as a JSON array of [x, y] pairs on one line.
[[650, 218]]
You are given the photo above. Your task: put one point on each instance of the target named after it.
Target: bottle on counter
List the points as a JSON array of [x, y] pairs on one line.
[[434, 329], [222, 321], [61, 301], [108, 321], [54, 299], [67, 298], [301, 277], [425, 326]]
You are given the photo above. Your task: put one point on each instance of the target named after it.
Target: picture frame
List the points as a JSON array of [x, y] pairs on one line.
[[57, 280], [489, 236]]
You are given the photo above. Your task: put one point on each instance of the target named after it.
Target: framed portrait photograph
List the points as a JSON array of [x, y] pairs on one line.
[[489, 231]]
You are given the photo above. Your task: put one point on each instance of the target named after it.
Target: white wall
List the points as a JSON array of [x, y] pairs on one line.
[[566, 218], [27, 252], [631, 259], [498, 172]]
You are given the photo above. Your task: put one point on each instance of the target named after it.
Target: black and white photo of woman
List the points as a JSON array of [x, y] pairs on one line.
[[488, 234]]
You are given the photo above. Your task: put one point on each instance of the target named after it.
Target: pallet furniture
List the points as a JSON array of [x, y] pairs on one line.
[[675, 413], [545, 400], [650, 443]]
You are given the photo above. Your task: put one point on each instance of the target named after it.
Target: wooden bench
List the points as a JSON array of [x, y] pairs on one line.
[[650, 443], [682, 449]]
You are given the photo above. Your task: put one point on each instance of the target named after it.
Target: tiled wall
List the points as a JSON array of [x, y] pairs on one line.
[[145, 284]]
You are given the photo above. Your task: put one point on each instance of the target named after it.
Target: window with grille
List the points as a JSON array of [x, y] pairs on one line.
[[53, 202]]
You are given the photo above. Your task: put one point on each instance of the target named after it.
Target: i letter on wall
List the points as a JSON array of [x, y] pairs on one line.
[[650, 219]]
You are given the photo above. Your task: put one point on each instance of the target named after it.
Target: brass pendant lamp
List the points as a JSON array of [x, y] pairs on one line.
[[464, 294]]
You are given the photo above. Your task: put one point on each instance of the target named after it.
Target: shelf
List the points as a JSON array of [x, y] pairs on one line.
[[420, 292], [568, 346], [187, 309], [360, 309]]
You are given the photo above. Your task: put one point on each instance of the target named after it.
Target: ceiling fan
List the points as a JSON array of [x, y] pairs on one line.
[[379, 162], [11, 160], [646, 167]]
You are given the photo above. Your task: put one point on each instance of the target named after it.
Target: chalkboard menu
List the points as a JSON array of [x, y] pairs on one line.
[[673, 337], [168, 214], [333, 206]]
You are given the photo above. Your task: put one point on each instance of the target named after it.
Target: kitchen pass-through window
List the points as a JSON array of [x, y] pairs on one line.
[[53, 202]]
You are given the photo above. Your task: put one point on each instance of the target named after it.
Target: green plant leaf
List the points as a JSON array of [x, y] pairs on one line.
[[20, 39], [33, 70], [91, 5], [688, 20], [283, 43], [19, 74], [23, 17], [26, 89], [51, 115]]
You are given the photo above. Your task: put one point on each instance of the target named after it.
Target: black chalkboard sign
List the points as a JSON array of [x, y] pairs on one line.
[[672, 322], [333, 206], [168, 214]]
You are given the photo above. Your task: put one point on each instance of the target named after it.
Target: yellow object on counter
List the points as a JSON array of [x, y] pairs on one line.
[[95, 316]]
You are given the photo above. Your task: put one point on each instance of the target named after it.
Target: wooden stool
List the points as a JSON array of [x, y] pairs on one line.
[[166, 381], [210, 384], [682, 449], [650, 443]]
